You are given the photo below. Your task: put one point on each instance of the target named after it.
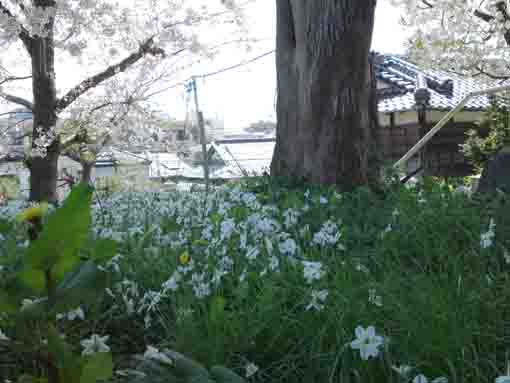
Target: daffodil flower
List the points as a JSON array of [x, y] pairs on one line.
[[184, 258], [32, 213]]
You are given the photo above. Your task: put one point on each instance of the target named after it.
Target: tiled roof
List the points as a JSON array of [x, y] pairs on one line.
[[111, 156], [401, 78], [246, 157], [238, 158]]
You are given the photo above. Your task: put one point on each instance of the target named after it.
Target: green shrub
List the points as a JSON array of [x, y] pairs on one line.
[[479, 148]]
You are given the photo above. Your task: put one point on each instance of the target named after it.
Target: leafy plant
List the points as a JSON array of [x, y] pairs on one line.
[[183, 370], [51, 276], [479, 148]]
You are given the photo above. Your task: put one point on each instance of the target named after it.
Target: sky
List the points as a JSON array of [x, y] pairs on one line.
[[248, 94]]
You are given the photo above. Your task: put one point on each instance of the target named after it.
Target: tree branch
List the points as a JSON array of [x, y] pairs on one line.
[[427, 3], [501, 6], [13, 78], [492, 76], [21, 5], [23, 34], [17, 100], [484, 16], [91, 82]]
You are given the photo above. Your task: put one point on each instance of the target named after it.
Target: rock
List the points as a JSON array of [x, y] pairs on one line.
[[496, 174]]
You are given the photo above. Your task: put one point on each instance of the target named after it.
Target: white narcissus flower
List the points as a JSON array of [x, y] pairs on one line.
[[403, 370], [367, 342], [252, 253], [506, 255], [73, 314], [374, 298], [312, 271], [288, 246], [3, 337], [504, 378], [318, 299], [154, 354], [423, 379], [251, 369], [420, 379], [95, 344], [328, 235], [487, 238]]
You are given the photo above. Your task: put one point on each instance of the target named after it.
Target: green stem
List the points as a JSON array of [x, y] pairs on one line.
[[51, 288]]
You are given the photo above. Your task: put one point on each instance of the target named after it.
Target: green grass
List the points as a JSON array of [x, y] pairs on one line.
[[445, 300]]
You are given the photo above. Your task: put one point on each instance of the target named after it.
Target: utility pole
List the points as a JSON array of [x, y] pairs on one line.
[[200, 120]]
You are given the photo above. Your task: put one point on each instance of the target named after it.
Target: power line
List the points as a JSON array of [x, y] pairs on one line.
[[239, 65], [205, 75]]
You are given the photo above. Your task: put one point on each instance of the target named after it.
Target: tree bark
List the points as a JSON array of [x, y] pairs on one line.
[[325, 93], [86, 172], [44, 170]]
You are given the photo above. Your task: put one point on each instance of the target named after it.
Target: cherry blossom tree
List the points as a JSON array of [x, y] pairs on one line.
[[469, 37], [104, 36]]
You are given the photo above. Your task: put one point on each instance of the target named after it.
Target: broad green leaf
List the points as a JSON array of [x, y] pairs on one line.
[[7, 303], [68, 365], [31, 379], [33, 279], [187, 368], [97, 366], [64, 233], [83, 285], [103, 250]]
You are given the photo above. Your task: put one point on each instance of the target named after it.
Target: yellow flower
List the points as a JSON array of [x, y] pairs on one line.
[[32, 213], [184, 258]]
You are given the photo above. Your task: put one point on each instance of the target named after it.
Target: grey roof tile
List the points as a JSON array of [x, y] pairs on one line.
[[401, 75]]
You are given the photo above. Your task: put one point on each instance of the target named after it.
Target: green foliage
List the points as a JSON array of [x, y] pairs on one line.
[[184, 370], [9, 186], [478, 148], [54, 270], [97, 367], [443, 297], [60, 240], [438, 309]]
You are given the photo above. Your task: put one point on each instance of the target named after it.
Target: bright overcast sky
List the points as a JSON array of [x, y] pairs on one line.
[[245, 95]]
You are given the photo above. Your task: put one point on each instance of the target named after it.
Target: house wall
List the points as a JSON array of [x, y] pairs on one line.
[[443, 156], [18, 171]]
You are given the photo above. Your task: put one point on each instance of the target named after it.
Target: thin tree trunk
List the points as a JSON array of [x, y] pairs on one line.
[[325, 120], [44, 170], [86, 172]]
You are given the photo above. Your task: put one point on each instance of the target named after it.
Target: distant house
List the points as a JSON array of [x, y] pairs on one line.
[[411, 100], [228, 159], [111, 162]]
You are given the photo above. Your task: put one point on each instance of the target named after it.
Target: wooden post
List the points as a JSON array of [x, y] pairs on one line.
[[422, 130], [201, 125]]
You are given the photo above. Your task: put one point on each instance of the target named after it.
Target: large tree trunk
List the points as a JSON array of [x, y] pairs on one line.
[[44, 170], [86, 172], [324, 113]]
